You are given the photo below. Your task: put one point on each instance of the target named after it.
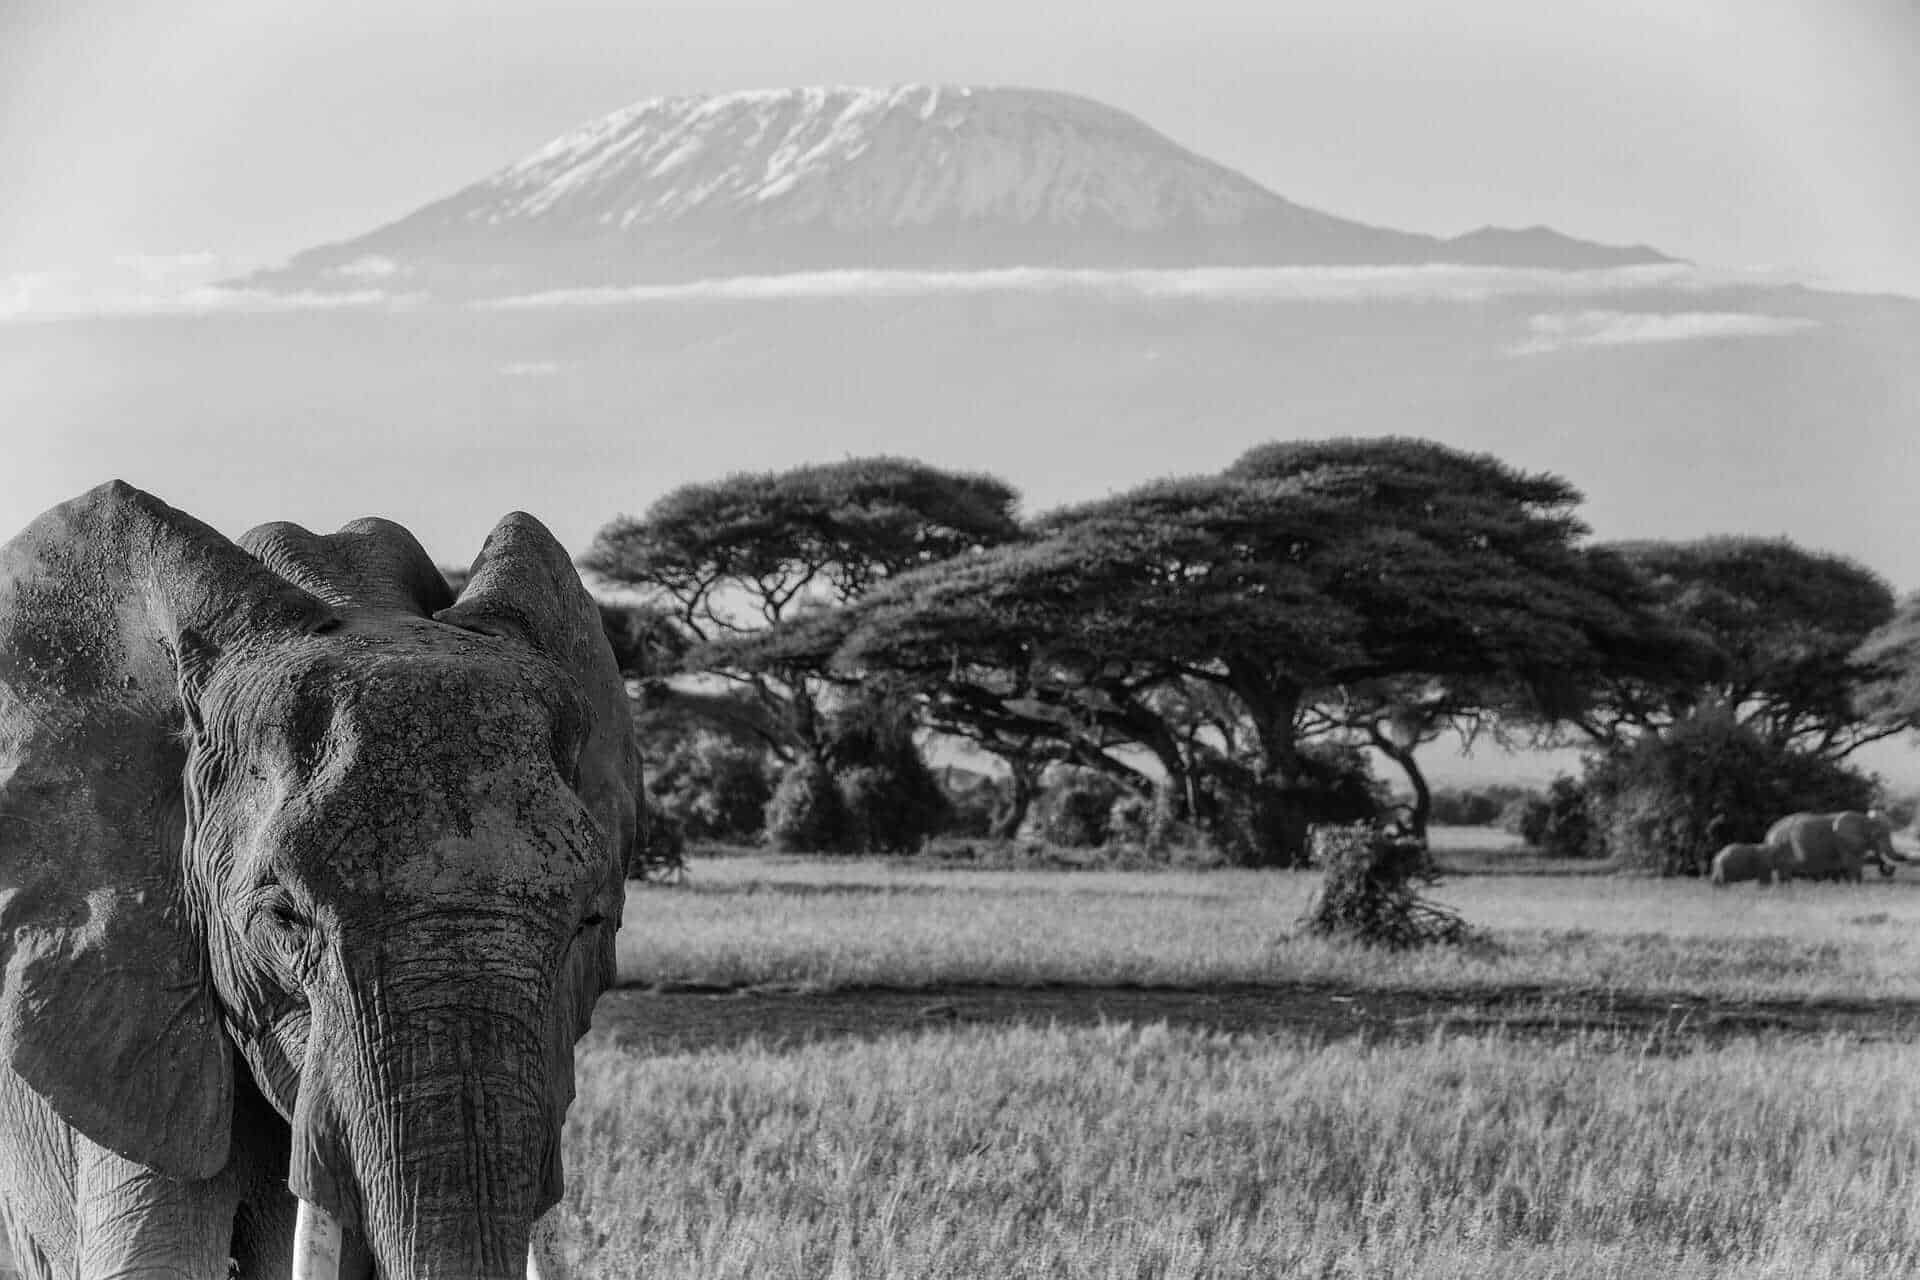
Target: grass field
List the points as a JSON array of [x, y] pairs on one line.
[[821, 925], [1142, 1152], [1149, 1151]]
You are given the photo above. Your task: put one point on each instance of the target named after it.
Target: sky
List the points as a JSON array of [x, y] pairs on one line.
[[202, 135]]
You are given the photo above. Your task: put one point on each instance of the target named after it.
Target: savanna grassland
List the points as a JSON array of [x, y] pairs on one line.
[[1511, 1145]]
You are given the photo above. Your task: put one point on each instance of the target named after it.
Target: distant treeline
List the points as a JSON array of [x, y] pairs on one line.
[[1223, 660]]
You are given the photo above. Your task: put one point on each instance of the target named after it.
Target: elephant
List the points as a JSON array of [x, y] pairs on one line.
[[1738, 862], [309, 878], [1823, 846]]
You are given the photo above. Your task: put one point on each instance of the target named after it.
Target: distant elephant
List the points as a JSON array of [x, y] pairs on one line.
[[1740, 862], [1824, 846], [309, 875]]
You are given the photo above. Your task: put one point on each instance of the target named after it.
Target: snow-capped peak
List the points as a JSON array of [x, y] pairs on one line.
[[904, 157], [831, 178]]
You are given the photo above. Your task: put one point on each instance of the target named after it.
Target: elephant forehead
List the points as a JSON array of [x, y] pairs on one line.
[[435, 685], [327, 695], [440, 819]]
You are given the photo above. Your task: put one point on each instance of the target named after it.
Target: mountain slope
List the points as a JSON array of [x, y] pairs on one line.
[[843, 178]]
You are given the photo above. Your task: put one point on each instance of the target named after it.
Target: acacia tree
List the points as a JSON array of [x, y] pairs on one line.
[[1887, 695], [730, 559], [1304, 570], [1780, 641]]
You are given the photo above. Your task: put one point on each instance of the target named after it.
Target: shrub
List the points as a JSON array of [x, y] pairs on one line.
[[1338, 784], [714, 788], [1371, 890], [972, 801], [661, 851], [892, 810], [1136, 819], [1249, 818], [1903, 811], [807, 813], [1074, 807], [1463, 808], [892, 799], [1669, 801], [1141, 830], [1557, 823]]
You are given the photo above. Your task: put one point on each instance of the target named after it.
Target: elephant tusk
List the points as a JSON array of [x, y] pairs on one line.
[[316, 1244]]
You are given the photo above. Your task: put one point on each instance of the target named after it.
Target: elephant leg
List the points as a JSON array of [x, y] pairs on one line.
[[134, 1222], [36, 1182], [23, 1251]]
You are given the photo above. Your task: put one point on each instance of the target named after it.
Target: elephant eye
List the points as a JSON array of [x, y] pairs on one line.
[[276, 913], [592, 920], [287, 916]]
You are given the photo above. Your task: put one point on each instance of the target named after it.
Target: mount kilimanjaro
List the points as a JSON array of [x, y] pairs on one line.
[[917, 177]]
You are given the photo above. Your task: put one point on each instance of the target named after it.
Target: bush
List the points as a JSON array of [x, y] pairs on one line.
[[714, 788], [1466, 807], [661, 851], [1141, 830], [1251, 818], [1903, 811], [1557, 823], [1371, 890], [971, 804], [1668, 802], [1136, 819], [892, 799], [807, 813], [893, 810], [1074, 807]]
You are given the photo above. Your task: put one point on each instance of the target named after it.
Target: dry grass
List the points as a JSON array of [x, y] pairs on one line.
[[749, 921], [1152, 1153], [1147, 1152]]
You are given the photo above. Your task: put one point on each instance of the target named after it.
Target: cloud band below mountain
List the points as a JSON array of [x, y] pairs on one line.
[[1559, 331], [152, 292], [1427, 283]]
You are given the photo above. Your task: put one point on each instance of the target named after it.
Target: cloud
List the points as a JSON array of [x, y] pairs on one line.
[[370, 267], [532, 368], [1251, 284], [1559, 331], [162, 285], [198, 267]]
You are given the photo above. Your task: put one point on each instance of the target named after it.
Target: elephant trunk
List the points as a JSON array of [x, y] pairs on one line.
[[425, 1126]]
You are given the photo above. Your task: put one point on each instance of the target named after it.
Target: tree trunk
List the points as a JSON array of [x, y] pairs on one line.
[[1024, 783], [1422, 795], [1280, 816]]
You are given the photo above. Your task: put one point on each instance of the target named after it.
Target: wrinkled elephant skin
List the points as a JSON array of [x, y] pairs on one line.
[[309, 874]]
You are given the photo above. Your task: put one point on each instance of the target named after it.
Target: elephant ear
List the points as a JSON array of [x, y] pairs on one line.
[[112, 609]]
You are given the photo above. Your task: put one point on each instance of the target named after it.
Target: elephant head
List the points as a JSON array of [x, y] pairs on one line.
[[287, 809], [1823, 845]]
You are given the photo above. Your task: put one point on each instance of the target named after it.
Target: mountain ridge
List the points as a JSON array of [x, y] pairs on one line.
[[911, 177]]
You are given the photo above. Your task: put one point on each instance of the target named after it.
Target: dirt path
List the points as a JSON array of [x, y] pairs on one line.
[[667, 1021]]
